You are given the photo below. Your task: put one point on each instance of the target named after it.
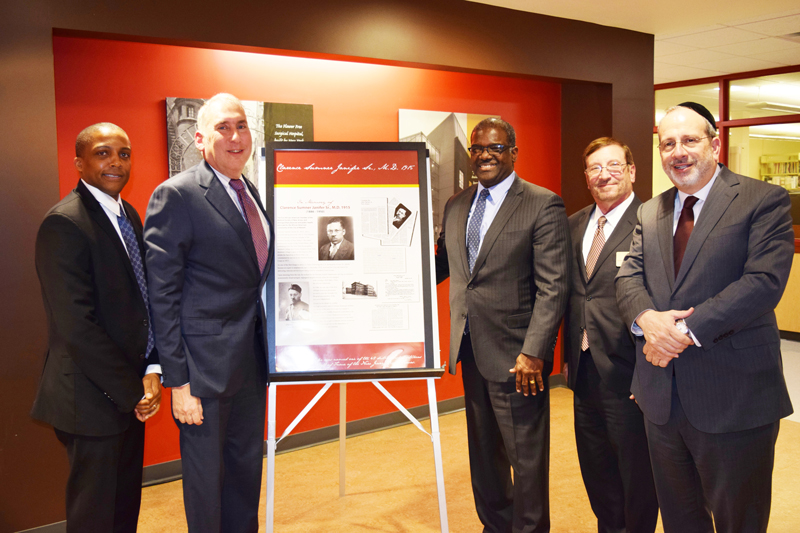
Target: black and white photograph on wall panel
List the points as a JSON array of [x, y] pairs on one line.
[[268, 122], [446, 135]]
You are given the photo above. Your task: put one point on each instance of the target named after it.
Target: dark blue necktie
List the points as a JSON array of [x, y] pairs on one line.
[[135, 255], [474, 228]]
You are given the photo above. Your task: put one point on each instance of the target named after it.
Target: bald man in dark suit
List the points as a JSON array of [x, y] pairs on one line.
[[208, 256]]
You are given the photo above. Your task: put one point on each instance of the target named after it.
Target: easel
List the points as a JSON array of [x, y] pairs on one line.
[[272, 443]]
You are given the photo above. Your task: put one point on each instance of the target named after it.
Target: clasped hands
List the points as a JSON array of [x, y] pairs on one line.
[[529, 374], [663, 340], [148, 406]]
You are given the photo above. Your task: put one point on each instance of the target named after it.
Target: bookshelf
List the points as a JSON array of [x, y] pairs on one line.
[[781, 170]]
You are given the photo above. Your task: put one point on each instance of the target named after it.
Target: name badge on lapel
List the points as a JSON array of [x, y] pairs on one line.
[[621, 257]]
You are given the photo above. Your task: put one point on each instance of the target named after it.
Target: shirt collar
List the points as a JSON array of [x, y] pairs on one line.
[[115, 206], [496, 192], [612, 217], [222, 177], [702, 194]]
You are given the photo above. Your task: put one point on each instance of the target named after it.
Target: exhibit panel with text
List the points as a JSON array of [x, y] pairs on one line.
[[352, 273]]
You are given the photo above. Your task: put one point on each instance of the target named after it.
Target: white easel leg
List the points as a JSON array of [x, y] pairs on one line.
[[271, 455], [437, 454], [342, 436]]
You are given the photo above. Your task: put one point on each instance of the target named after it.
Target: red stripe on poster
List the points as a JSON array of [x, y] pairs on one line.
[[338, 357], [346, 167]]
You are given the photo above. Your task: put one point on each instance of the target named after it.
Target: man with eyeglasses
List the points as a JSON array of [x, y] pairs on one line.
[[708, 264], [599, 354], [505, 246]]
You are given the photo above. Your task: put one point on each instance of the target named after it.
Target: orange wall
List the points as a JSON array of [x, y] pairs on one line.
[[126, 83]]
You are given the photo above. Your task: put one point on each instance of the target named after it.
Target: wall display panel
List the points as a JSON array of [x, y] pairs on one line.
[[352, 228], [351, 102]]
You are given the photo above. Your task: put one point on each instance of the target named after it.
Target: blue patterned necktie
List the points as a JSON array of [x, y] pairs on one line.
[[135, 255], [474, 228]]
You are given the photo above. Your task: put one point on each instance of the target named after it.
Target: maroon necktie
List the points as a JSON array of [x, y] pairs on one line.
[[254, 223], [683, 231]]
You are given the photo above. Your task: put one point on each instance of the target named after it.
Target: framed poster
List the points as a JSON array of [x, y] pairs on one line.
[[352, 289]]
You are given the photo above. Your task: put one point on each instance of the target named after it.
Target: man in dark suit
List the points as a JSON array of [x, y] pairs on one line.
[[208, 256], [505, 246], [101, 375], [708, 264], [339, 248], [599, 353]]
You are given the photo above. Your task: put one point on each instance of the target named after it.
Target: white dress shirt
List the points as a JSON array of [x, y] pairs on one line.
[[497, 193], [701, 196], [612, 219]]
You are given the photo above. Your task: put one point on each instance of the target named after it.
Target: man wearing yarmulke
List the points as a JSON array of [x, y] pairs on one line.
[[708, 264]]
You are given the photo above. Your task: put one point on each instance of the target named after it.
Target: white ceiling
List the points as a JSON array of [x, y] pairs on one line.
[[693, 39]]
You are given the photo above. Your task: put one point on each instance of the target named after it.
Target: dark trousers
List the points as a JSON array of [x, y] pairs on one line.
[[505, 431], [104, 487], [222, 460], [697, 475], [613, 454]]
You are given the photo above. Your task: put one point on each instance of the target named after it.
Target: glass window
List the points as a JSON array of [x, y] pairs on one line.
[[765, 96], [768, 152], [661, 181], [706, 94]]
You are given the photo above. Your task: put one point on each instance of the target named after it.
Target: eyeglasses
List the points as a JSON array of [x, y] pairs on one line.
[[667, 147], [493, 149], [614, 168]]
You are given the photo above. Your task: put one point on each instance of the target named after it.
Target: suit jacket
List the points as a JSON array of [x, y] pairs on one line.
[[345, 251], [97, 320], [733, 273], [592, 305], [516, 294], [205, 284]]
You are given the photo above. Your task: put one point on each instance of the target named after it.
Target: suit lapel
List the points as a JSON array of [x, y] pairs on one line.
[[512, 200], [269, 233], [719, 198], [624, 228], [577, 240], [100, 217], [664, 220], [218, 197], [460, 216]]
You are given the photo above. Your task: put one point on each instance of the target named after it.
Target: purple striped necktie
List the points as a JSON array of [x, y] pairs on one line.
[[253, 222]]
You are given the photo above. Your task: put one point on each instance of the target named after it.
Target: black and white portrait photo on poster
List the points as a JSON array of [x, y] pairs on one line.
[[294, 298], [335, 239]]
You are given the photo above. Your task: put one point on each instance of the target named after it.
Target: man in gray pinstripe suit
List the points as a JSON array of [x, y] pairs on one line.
[[701, 298], [505, 246]]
